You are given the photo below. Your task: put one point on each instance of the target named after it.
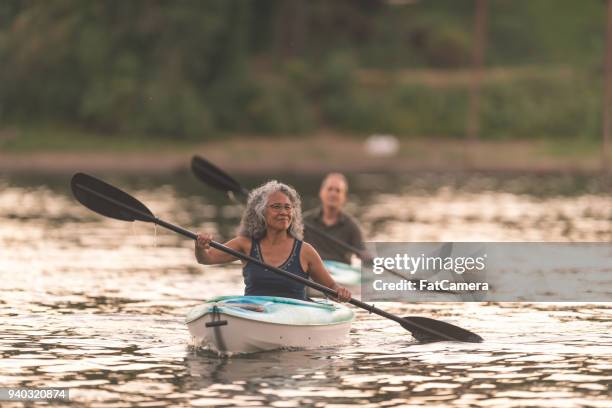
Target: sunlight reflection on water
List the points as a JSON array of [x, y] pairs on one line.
[[97, 305]]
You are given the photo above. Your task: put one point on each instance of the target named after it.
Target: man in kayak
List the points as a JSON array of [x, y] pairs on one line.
[[332, 220], [271, 231]]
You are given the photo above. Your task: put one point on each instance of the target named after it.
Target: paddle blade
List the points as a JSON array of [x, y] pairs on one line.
[[213, 176], [108, 200], [427, 330]]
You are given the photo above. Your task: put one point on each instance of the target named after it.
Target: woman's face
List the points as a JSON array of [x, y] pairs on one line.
[[279, 211]]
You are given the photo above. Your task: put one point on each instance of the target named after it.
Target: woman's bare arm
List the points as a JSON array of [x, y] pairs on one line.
[[210, 256], [319, 274]]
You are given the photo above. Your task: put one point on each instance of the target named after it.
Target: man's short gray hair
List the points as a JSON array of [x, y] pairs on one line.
[[253, 223], [340, 176]]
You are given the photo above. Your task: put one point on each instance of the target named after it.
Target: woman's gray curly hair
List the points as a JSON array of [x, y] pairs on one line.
[[253, 223]]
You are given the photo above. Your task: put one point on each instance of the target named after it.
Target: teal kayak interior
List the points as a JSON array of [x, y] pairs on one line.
[[274, 309], [343, 273]]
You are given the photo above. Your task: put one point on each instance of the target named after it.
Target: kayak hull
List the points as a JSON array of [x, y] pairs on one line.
[[240, 327], [246, 336]]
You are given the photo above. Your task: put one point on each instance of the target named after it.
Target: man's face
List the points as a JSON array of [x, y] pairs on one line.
[[333, 192]]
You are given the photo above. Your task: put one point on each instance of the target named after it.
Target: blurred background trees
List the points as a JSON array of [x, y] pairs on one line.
[[198, 69]]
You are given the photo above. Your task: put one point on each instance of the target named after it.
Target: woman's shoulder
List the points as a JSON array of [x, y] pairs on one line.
[[308, 249], [241, 242]]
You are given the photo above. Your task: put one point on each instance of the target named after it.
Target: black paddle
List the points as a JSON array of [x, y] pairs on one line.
[[111, 202], [212, 175]]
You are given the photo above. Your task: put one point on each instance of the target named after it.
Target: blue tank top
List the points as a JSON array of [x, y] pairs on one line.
[[259, 281]]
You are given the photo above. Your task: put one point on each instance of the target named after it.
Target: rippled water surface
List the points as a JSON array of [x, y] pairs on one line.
[[97, 305]]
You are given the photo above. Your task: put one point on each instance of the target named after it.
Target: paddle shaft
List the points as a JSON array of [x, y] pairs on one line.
[[240, 255], [307, 282]]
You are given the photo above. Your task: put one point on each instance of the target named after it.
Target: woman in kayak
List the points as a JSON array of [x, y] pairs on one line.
[[271, 231]]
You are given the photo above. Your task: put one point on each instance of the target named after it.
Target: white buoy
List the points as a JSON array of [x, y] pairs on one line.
[[382, 145]]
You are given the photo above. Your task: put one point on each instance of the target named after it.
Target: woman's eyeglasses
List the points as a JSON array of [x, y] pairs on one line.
[[279, 207]]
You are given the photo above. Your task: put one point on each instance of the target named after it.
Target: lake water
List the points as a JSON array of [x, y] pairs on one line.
[[97, 305]]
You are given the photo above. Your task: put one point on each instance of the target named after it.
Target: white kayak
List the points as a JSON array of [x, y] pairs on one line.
[[247, 324]]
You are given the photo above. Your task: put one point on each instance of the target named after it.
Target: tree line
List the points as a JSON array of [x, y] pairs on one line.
[[194, 69]]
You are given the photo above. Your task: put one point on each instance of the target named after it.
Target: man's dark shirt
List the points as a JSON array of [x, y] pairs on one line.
[[345, 229]]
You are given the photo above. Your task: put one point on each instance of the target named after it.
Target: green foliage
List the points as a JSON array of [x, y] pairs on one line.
[[448, 47], [557, 107], [122, 66], [190, 70], [278, 109]]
